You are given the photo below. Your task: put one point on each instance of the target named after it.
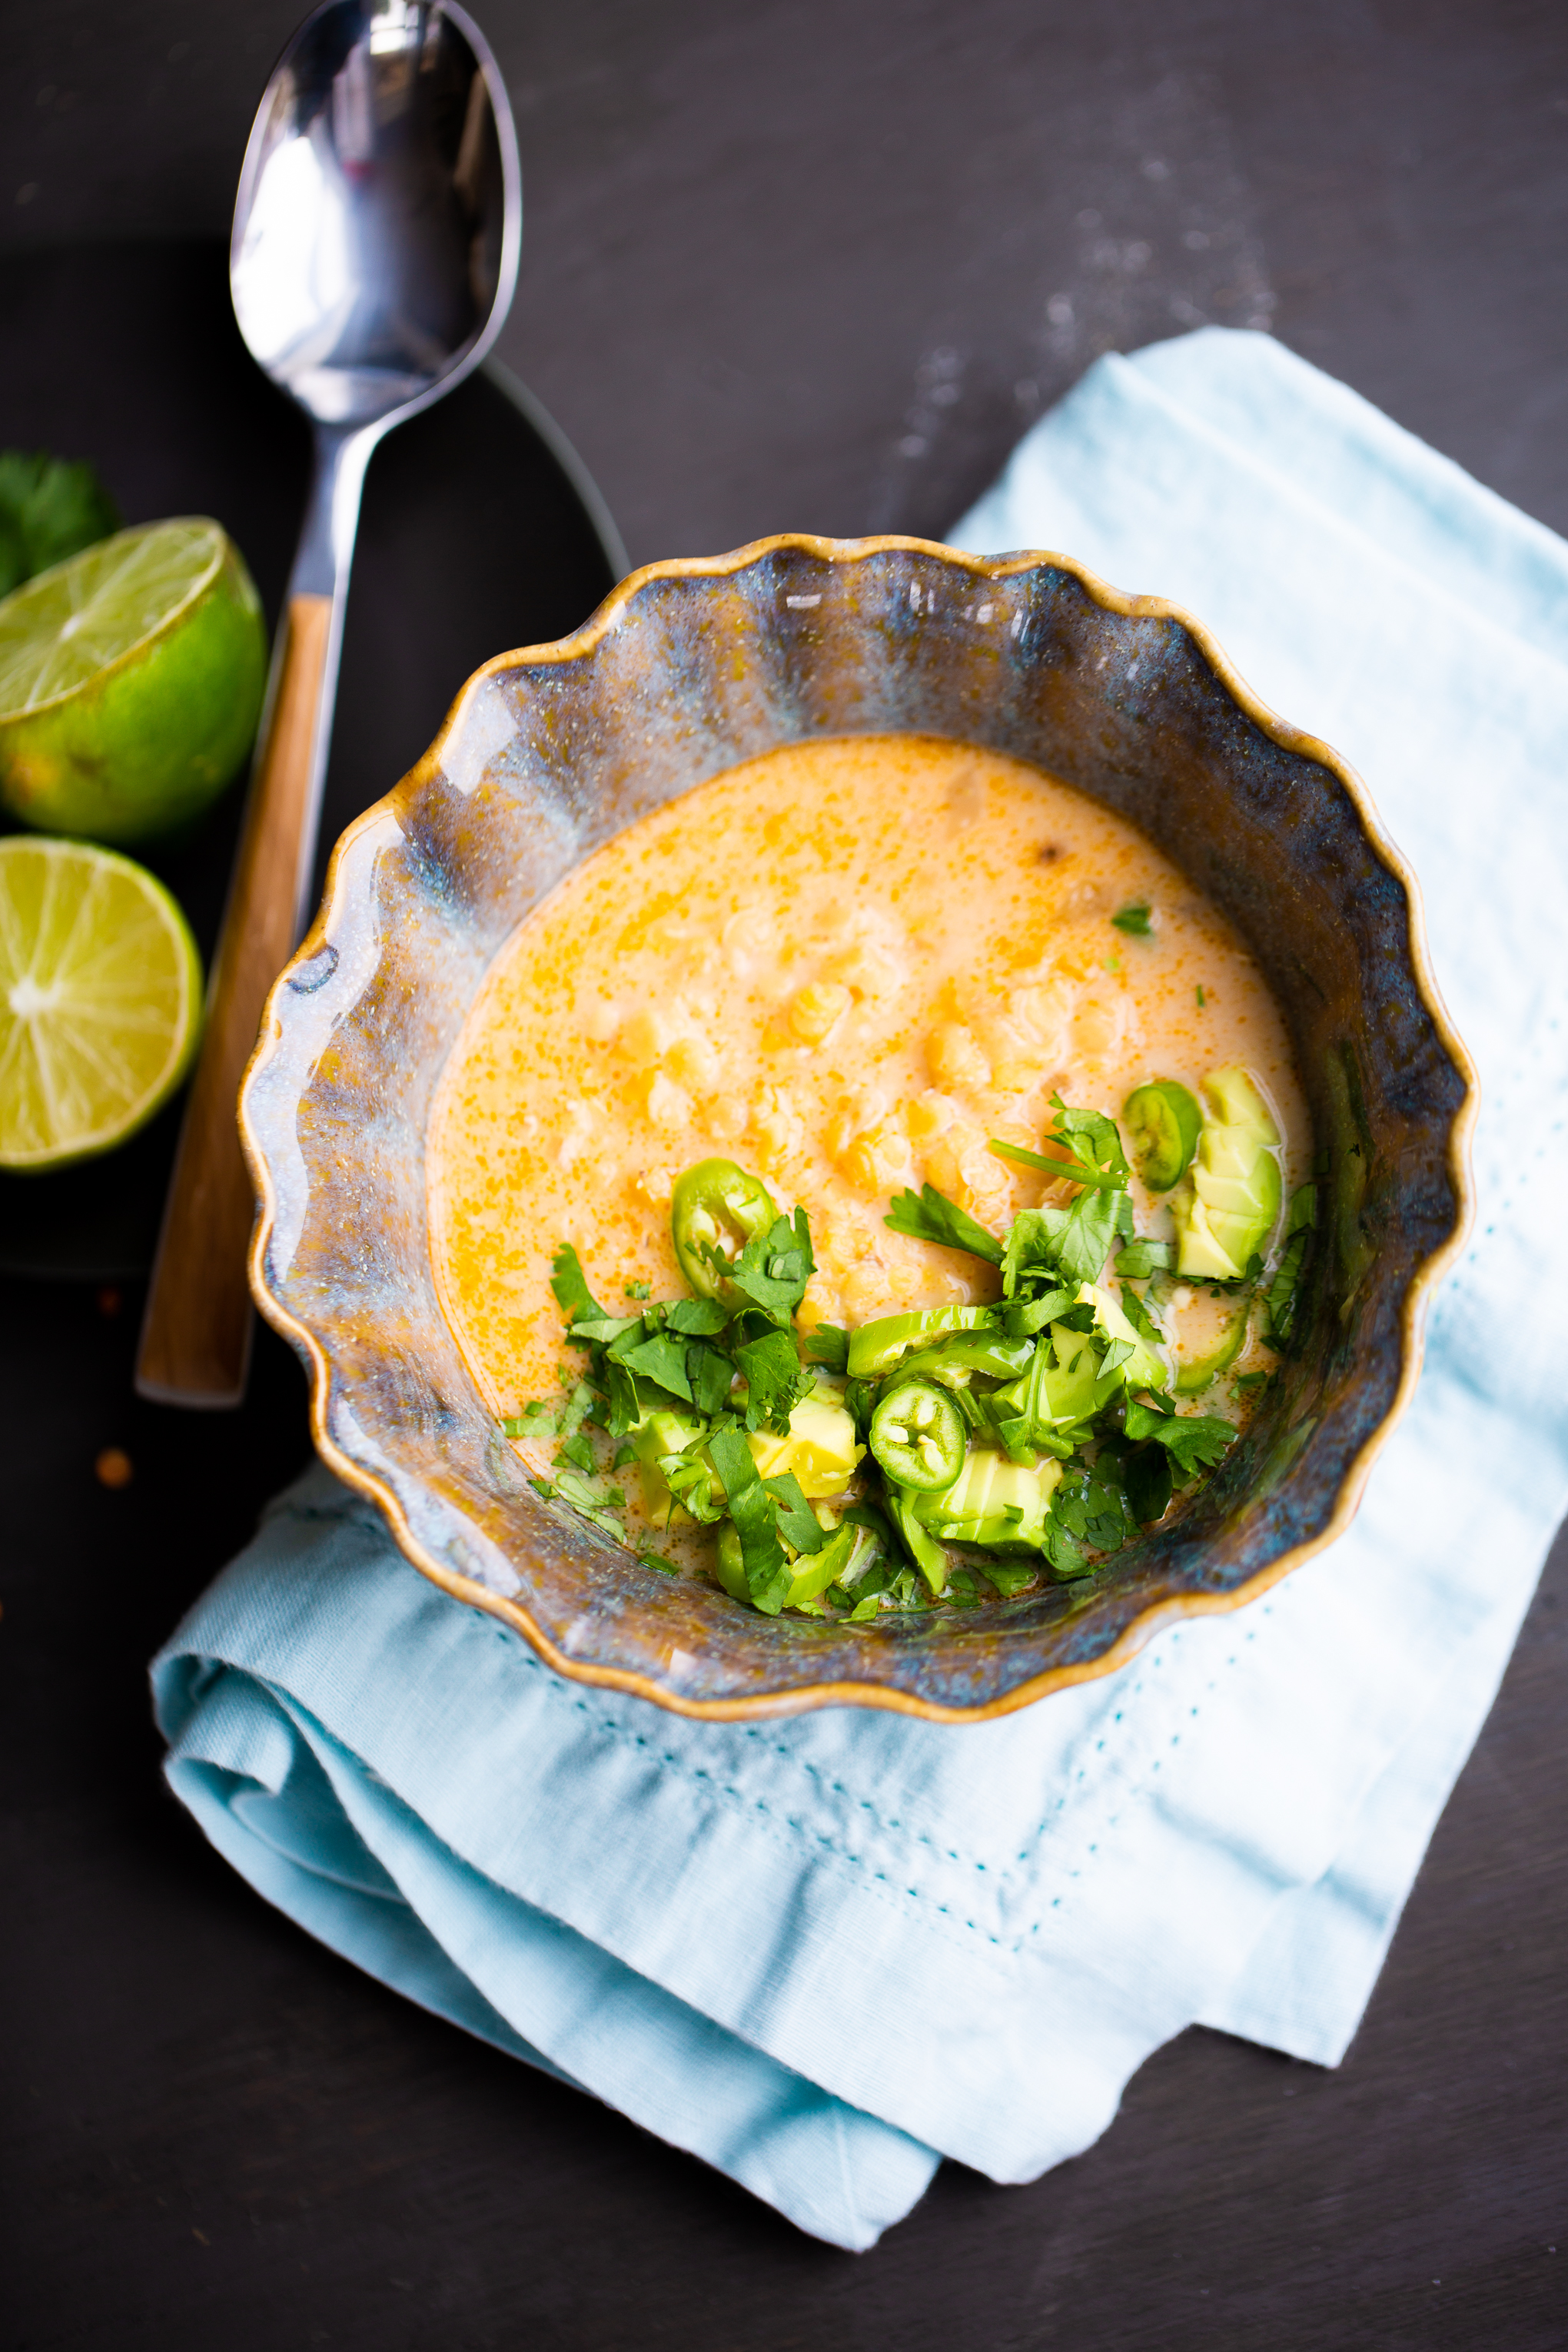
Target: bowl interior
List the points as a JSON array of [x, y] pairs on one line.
[[687, 670]]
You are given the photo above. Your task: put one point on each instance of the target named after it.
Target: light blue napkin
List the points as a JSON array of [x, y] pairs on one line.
[[823, 1953]]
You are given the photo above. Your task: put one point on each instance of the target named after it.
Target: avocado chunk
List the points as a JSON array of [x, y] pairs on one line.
[[1195, 1373], [821, 1448], [1142, 1369], [994, 1502], [1233, 1206], [656, 1436]]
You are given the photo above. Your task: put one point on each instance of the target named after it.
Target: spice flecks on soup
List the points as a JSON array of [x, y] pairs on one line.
[[848, 964]]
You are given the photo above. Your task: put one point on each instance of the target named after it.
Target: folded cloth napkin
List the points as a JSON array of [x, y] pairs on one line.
[[822, 1953]]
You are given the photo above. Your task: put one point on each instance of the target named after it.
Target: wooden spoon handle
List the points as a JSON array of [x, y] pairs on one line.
[[195, 1340]]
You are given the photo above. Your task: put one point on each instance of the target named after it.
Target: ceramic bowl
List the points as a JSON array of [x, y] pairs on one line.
[[688, 668]]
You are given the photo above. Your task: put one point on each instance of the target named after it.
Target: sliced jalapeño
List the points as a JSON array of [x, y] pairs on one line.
[[918, 1436]]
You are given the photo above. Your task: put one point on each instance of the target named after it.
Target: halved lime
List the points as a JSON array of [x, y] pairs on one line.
[[131, 682], [101, 1000]]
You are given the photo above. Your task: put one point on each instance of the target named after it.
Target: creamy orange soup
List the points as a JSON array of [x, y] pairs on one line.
[[847, 965]]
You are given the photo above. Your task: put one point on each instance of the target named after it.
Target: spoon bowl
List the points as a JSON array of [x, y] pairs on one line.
[[378, 221]]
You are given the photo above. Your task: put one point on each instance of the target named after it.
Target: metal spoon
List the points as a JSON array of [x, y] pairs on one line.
[[374, 252]]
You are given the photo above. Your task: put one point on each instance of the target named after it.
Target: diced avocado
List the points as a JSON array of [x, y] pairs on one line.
[[656, 1436], [1068, 1387], [1142, 1369], [815, 1570], [994, 1502], [1195, 1373], [728, 1566], [1234, 1201], [877, 1346], [821, 1448]]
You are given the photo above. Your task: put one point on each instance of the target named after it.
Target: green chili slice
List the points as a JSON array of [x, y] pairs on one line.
[[918, 1436], [1163, 1123], [876, 1347], [715, 1210]]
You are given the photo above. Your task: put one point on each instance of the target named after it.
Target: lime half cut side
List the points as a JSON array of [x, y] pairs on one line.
[[101, 1000], [131, 682]]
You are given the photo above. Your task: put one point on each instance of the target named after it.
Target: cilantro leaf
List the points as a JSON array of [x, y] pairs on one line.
[[829, 1346], [1140, 1259], [1092, 1507], [774, 1268], [1099, 1137], [1280, 1298], [710, 1373], [1073, 1241], [623, 1408], [797, 1520], [570, 1285], [1138, 1314], [1066, 1555], [1146, 1477], [1195, 1441], [691, 1483], [571, 1487], [597, 1331], [775, 1379], [1077, 1170], [929, 1216], [1008, 1577], [1135, 921], [661, 1359], [49, 508], [578, 1451], [1021, 1322], [755, 1515], [696, 1318]]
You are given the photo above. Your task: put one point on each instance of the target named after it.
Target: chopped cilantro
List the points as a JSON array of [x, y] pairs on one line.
[[710, 1374], [798, 1521], [1134, 920], [929, 1216], [696, 1318], [638, 1290], [49, 508], [570, 1285], [1138, 1314], [1195, 1441], [774, 1268], [775, 1379], [827, 1345], [1146, 1478], [663, 1361]]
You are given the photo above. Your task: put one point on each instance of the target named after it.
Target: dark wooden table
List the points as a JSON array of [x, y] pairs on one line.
[[813, 266]]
